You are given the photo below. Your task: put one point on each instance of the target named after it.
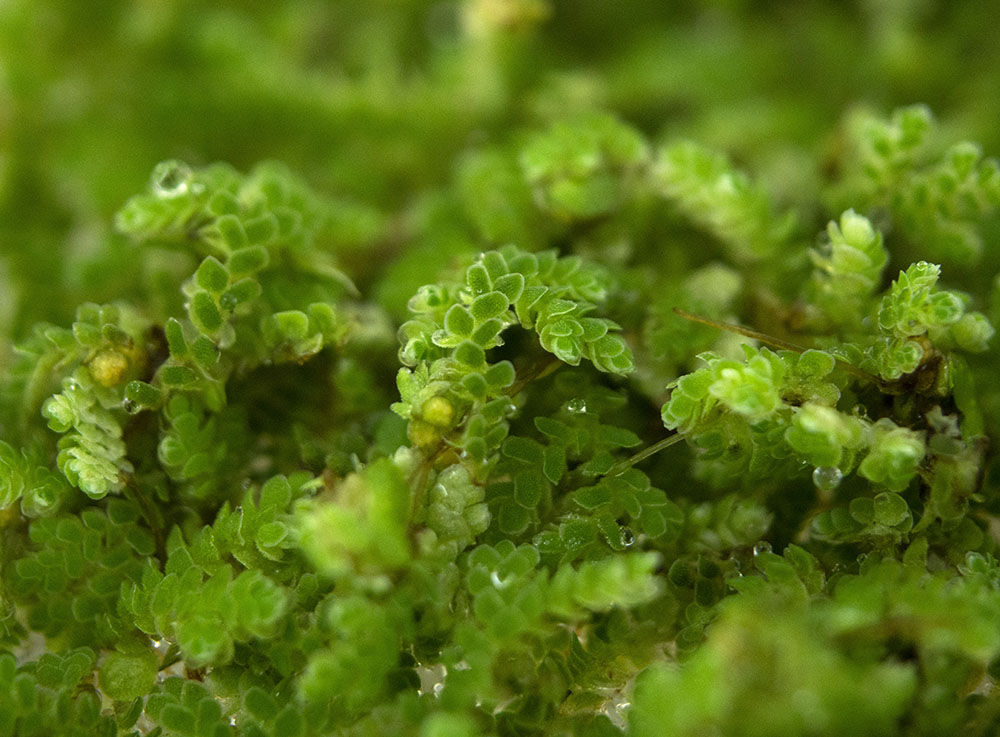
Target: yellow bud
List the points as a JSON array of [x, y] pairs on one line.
[[490, 16], [108, 368], [9, 514], [438, 411], [423, 435]]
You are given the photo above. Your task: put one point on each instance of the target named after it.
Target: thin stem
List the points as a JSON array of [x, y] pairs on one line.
[[782, 345], [621, 467], [740, 330], [151, 514], [538, 370], [418, 478], [173, 655]]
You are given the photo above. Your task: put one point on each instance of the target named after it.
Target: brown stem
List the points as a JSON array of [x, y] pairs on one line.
[[152, 515], [536, 371], [781, 345], [622, 466]]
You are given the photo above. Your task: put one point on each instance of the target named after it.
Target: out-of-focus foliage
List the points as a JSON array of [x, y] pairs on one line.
[[499, 367]]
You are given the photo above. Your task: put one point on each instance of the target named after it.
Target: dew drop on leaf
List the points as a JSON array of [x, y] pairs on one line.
[[171, 179], [761, 548], [827, 478], [576, 406]]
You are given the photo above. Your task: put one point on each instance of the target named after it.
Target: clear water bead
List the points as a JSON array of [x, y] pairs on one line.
[[228, 301], [576, 406], [827, 478], [761, 548], [171, 179]]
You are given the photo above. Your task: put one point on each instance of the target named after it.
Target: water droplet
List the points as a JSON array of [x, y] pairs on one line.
[[438, 688], [827, 478], [171, 179], [761, 548], [131, 407], [627, 537], [228, 301], [860, 411], [576, 406], [498, 583]]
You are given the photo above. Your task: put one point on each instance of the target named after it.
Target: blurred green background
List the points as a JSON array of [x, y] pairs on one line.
[[374, 101]]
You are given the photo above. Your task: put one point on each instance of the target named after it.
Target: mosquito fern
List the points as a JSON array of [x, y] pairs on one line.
[[530, 370]]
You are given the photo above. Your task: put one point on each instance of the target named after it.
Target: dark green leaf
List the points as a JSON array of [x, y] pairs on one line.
[[487, 332], [513, 519], [242, 291], [529, 486], [554, 465], [470, 354], [458, 321], [205, 352], [211, 275], [247, 261], [512, 285], [175, 338], [143, 394], [523, 449], [178, 719], [489, 305], [205, 313], [478, 279], [259, 703], [292, 325], [177, 375], [500, 375], [233, 235]]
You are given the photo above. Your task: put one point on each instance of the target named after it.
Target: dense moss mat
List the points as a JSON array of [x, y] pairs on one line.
[[499, 367]]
